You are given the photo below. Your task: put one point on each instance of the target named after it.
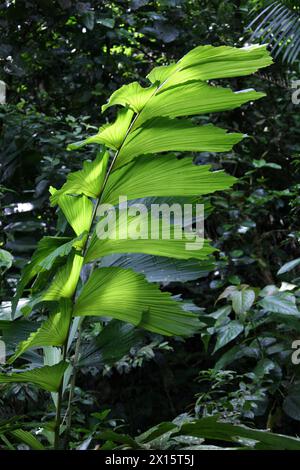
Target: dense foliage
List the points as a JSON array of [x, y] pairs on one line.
[[61, 61]]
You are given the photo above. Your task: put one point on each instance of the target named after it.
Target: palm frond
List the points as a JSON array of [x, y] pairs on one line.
[[278, 24]]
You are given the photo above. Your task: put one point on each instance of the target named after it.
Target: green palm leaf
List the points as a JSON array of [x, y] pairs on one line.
[[127, 296], [65, 281], [111, 135], [161, 269], [132, 95], [113, 342], [209, 62], [193, 99], [165, 134], [49, 249], [78, 210], [166, 243], [167, 248], [47, 377], [186, 99], [164, 176], [27, 438], [53, 332], [163, 99], [87, 181]]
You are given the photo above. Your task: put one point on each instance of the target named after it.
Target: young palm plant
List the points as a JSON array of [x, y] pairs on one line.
[[81, 275]]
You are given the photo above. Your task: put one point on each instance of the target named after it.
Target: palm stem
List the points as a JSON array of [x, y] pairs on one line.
[[59, 402], [68, 415]]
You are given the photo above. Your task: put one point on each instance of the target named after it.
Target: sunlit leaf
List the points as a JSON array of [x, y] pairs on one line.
[[65, 281], [193, 98], [87, 181], [78, 211], [209, 62], [142, 237], [132, 95], [111, 135], [164, 134], [48, 250], [164, 176], [46, 377], [126, 295], [52, 332]]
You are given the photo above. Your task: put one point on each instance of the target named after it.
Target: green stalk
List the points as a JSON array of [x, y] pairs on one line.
[[68, 415], [58, 416], [59, 401]]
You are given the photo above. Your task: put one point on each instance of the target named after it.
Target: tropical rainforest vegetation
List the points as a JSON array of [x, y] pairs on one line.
[[142, 344]]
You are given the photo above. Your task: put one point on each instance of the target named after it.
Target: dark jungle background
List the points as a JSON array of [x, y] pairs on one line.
[[60, 61]]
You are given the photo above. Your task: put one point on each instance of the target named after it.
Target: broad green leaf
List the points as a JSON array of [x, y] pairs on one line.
[[160, 269], [221, 314], [6, 259], [48, 249], [227, 333], [125, 439], [289, 266], [179, 90], [47, 377], [111, 135], [113, 342], [280, 303], [194, 98], [264, 367], [27, 438], [87, 181], [228, 357], [62, 251], [78, 211], [157, 432], [132, 95], [65, 281], [167, 248], [261, 163], [108, 22], [52, 332], [13, 332], [127, 296], [291, 403], [184, 100], [269, 290], [164, 176], [121, 238], [242, 300], [165, 134], [209, 62], [210, 428]]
